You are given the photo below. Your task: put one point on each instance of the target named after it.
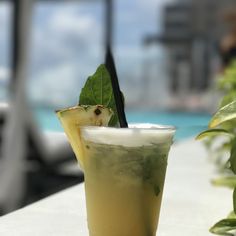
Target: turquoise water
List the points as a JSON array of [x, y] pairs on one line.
[[187, 124]]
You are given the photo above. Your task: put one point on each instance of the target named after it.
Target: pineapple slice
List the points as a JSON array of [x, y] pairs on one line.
[[74, 117]]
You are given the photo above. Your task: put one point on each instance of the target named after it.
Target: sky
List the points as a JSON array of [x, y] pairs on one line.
[[67, 46]]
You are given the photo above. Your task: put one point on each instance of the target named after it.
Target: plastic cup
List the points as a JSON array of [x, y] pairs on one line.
[[124, 170]]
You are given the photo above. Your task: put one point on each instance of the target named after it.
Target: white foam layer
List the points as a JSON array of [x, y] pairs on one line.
[[134, 136]]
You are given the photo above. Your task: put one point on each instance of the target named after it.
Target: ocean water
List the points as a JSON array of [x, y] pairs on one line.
[[187, 124]]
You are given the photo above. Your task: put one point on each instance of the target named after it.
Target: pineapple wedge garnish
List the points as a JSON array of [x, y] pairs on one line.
[[74, 117]]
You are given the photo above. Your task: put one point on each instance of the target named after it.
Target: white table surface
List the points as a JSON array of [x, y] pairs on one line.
[[190, 204]]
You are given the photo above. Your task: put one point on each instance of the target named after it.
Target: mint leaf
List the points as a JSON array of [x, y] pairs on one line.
[[98, 91]]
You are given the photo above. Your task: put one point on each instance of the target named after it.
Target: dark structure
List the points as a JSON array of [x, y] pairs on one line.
[[191, 34]]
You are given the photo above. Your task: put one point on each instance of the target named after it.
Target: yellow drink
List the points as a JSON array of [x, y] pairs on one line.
[[124, 177]]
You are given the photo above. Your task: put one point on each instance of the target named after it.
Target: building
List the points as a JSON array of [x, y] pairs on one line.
[[191, 34]]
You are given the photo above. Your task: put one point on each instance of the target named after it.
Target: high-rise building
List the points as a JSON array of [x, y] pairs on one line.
[[192, 31]]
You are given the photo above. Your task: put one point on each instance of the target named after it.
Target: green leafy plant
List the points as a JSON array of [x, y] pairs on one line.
[[223, 123], [225, 114], [228, 84]]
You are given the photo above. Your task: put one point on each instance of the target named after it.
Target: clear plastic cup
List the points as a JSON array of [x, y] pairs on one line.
[[124, 171]]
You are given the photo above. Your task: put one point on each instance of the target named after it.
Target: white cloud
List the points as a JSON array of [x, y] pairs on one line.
[[153, 4], [61, 84], [81, 23], [4, 74], [66, 22], [136, 19], [55, 86], [66, 37], [5, 15], [5, 10], [128, 52], [68, 47]]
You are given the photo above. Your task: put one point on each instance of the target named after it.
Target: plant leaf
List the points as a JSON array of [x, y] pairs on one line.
[[232, 158], [224, 227], [212, 132], [98, 91], [228, 98], [234, 199], [156, 190], [229, 181], [231, 215], [226, 113]]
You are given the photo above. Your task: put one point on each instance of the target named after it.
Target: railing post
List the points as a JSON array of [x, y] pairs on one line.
[[12, 174]]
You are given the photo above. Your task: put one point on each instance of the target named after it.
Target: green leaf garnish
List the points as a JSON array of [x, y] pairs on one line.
[[226, 113], [98, 91], [224, 227], [212, 132]]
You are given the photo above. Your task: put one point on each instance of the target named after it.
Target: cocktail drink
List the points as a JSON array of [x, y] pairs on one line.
[[124, 168], [124, 172]]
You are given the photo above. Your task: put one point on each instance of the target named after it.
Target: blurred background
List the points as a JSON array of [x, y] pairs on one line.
[[168, 54]]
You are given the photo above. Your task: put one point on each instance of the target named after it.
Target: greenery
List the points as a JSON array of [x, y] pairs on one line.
[[98, 91], [223, 123]]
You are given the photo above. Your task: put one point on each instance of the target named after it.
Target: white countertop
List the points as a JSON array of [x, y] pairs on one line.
[[190, 204]]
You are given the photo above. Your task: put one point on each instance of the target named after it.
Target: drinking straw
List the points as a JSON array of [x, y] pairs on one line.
[[110, 64]]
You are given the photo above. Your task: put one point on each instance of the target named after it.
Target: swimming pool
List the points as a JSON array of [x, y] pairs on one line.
[[188, 124]]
